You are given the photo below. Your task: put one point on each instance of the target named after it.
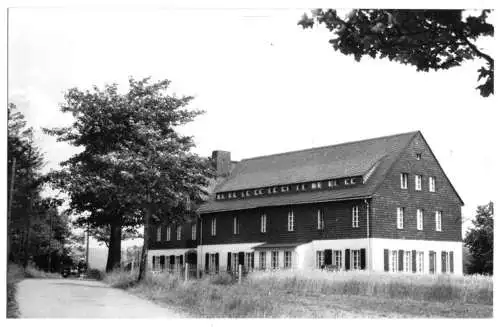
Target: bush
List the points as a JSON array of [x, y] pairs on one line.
[[96, 274], [33, 272], [15, 274], [222, 278], [121, 279]]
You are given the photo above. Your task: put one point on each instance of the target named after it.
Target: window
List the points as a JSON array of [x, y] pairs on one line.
[[303, 187], [355, 217], [321, 220], [193, 231], [337, 256], [263, 223], [275, 190], [256, 192], [248, 193], [432, 184], [353, 181], [229, 195], [158, 234], [236, 225], [320, 259], [420, 219], [242, 194], [404, 181], [288, 259], [445, 262], [418, 182], [419, 156], [284, 189], [248, 260], [179, 232], [291, 221], [346, 181], [407, 261], [212, 263], [432, 262], [400, 217], [356, 259], [213, 227], [275, 260], [168, 233], [332, 183], [438, 221], [262, 260], [234, 261], [316, 185], [394, 261], [420, 262]]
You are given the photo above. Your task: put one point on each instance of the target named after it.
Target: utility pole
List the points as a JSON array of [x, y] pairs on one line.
[[11, 195], [87, 250], [50, 241]]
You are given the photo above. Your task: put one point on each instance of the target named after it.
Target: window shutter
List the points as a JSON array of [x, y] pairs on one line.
[[328, 257], [362, 256], [386, 259], [401, 260], [414, 260], [241, 258], [217, 262], [207, 258], [162, 262], [229, 261], [451, 261], [443, 261], [172, 260], [347, 259], [431, 262], [181, 257], [154, 260], [252, 262]]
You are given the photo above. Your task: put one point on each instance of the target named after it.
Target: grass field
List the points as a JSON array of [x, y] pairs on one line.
[[317, 294]]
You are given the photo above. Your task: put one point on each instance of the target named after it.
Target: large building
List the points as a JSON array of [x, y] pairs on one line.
[[382, 204]]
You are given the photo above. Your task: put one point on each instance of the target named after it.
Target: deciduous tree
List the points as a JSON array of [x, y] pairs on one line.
[[479, 240]]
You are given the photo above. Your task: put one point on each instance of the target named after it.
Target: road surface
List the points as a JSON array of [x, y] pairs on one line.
[[74, 298]]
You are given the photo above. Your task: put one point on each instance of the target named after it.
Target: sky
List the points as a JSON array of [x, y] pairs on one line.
[[265, 84]]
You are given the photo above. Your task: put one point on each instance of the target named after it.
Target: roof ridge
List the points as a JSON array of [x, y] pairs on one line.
[[327, 146]]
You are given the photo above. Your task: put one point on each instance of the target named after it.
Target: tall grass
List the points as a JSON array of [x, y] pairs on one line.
[[264, 294], [15, 274]]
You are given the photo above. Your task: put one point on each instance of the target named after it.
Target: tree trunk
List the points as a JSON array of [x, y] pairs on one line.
[[145, 245], [115, 244]]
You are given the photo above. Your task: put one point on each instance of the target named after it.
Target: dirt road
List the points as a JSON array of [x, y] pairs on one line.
[[73, 298]]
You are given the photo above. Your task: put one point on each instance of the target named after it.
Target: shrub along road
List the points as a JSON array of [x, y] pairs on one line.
[[74, 298]]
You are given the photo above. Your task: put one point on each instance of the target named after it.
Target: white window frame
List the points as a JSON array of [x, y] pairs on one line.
[[446, 262], [291, 221], [419, 156], [356, 259], [179, 232], [320, 259], [394, 261], [418, 182], [321, 219], [169, 232], [158, 234], [407, 261], [420, 262], [432, 184], [236, 225], [193, 232], [400, 213], [439, 220], [404, 181], [337, 258], [211, 262], [213, 226], [355, 217], [262, 260], [288, 259], [263, 223], [275, 259], [313, 186], [420, 219]]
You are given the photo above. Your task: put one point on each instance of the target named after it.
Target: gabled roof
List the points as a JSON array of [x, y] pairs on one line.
[[329, 162]]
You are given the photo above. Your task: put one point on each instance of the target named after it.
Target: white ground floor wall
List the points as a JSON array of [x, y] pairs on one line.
[[304, 256]]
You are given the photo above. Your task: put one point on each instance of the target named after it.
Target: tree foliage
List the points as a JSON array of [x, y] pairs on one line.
[[479, 240], [426, 39]]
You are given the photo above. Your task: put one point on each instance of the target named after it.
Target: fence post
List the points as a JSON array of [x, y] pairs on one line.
[[186, 272], [239, 273]]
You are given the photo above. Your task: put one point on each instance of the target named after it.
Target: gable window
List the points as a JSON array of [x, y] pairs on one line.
[[432, 184], [394, 261], [193, 231], [213, 226], [236, 225], [420, 262], [400, 217], [320, 259], [158, 233], [263, 223], [356, 259], [337, 256], [321, 219], [169, 231], [262, 260], [404, 181], [288, 259], [291, 221], [419, 156], [179, 232], [420, 219], [407, 261], [275, 260], [418, 182], [355, 217], [438, 220]]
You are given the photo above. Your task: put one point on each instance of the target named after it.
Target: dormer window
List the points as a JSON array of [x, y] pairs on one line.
[[269, 191], [242, 194], [353, 181], [303, 187], [235, 195], [229, 195], [256, 192], [347, 181], [275, 190], [248, 193], [221, 196]]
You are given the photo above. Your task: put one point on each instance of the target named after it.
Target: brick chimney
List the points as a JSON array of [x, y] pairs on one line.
[[222, 162]]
